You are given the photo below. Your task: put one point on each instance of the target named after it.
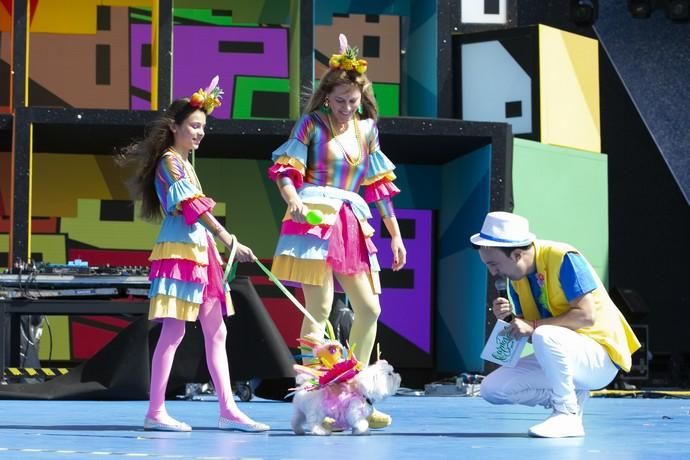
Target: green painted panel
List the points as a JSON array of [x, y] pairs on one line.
[[387, 98], [243, 11], [55, 341], [564, 194], [244, 92]]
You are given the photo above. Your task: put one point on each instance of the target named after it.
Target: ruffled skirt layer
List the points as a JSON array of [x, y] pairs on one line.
[[306, 257], [180, 286]]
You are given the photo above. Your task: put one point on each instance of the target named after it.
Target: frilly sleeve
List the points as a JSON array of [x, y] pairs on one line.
[[182, 195], [290, 159], [193, 208], [378, 183], [379, 190]]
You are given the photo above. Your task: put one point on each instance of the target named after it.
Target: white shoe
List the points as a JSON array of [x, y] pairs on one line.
[[171, 425], [559, 425], [235, 425]]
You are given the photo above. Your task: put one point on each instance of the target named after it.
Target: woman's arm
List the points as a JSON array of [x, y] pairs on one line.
[[244, 253], [294, 203], [397, 245]]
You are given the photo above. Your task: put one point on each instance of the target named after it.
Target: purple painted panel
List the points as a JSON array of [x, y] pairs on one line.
[[197, 58], [408, 311]]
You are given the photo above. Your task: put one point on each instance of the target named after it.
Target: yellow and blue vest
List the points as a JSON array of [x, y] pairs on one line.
[[610, 329]]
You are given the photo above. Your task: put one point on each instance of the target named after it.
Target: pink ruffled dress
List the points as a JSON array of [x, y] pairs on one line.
[[186, 268], [327, 180]]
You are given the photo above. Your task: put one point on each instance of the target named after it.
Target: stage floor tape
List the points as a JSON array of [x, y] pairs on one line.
[[642, 393], [35, 371]]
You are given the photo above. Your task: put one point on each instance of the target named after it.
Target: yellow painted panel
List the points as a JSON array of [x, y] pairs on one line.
[[53, 247], [115, 177], [55, 341], [569, 90], [54, 16], [88, 228], [60, 180]]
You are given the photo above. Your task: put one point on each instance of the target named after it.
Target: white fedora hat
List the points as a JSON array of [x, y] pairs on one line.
[[503, 229]]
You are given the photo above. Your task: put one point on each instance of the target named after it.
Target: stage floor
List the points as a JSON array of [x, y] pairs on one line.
[[423, 428]]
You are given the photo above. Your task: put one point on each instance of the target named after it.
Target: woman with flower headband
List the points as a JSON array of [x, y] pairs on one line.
[[186, 274], [332, 151]]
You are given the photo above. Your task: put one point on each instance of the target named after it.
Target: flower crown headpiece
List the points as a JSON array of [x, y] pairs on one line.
[[347, 59], [207, 99]]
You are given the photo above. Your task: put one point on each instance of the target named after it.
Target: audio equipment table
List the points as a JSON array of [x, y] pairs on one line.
[[63, 294], [120, 369]]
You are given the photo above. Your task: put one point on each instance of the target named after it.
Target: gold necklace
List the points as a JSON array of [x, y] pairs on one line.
[[357, 137]]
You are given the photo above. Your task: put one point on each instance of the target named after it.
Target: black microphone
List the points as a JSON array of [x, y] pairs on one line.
[[502, 291]]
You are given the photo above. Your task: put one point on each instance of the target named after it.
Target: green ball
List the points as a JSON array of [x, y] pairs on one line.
[[314, 217]]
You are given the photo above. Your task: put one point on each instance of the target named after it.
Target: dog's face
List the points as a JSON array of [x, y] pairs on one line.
[[378, 381]]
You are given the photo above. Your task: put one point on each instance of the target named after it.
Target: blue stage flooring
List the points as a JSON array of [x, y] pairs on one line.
[[423, 428]]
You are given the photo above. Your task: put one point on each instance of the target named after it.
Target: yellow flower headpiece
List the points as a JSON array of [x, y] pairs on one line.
[[347, 59], [207, 99]]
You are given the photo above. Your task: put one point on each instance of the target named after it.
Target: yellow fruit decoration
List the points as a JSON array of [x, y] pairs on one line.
[[347, 59]]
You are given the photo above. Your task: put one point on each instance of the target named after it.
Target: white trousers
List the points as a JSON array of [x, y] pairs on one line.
[[564, 367]]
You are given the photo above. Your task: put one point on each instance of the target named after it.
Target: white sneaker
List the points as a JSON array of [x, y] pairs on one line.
[[559, 425]]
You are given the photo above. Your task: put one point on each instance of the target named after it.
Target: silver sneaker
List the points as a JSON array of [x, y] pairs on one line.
[[153, 425], [235, 425]]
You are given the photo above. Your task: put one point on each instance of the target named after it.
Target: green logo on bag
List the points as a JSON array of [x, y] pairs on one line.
[[504, 348]]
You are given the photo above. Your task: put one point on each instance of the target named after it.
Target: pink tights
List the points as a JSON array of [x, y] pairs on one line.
[[215, 334]]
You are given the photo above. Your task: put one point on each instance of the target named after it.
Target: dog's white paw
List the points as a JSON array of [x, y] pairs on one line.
[[361, 427], [320, 430], [297, 422]]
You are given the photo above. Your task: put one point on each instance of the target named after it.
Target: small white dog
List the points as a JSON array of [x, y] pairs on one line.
[[348, 403]]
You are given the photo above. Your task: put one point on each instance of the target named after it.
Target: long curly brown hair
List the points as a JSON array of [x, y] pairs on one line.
[[144, 154], [337, 77]]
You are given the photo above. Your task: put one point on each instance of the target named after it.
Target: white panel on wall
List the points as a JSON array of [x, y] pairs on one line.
[[495, 87], [483, 11]]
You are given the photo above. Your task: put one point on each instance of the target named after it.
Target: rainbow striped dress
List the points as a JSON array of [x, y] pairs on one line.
[[186, 268], [327, 179]]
